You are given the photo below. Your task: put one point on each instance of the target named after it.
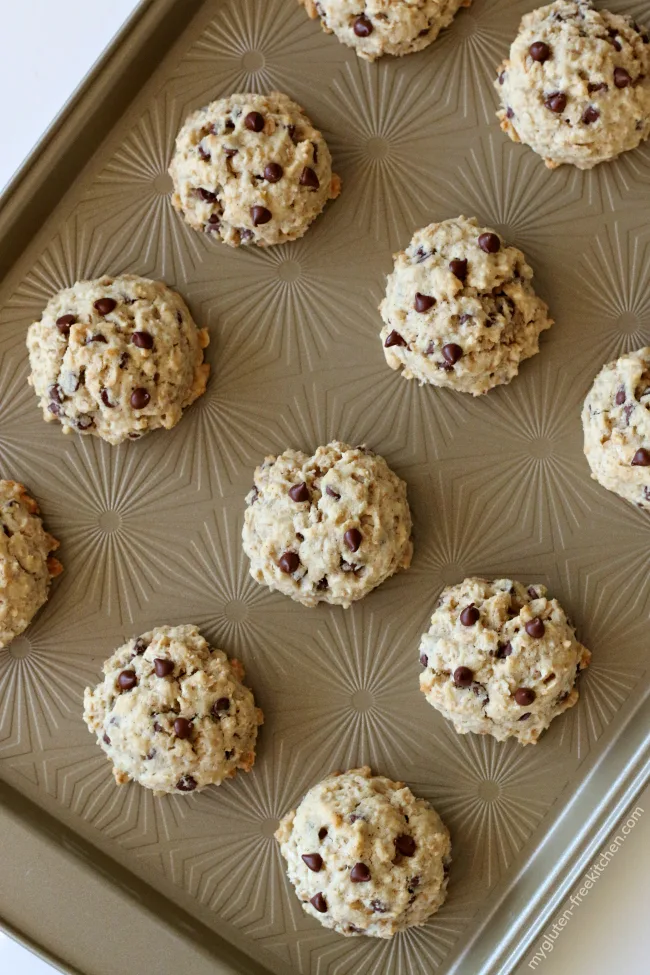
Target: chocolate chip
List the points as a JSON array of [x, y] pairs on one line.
[[229, 153], [309, 178], [85, 422], [452, 353], [363, 26], [535, 628], [332, 493], [140, 646], [556, 102], [405, 845], [532, 592], [254, 122], [105, 305], [127, 680], [319, 902], [353, 539], [469, 616], [157, 727], [620, 397], [423, 302], [106, 740], [186, 784], [64, 322], [55, 393], [273, 172], [503, 650], [502, 77], [182, 728], [163, 667], [490, 243], [590, 115], [289, 562], [360, 873], [143, 340], [139, 398], [622, 78], [205, 156], [206, 195], [509, 112], [378, 907], [463, 677], [524, 696], [106, 399], [393, 338], [548, 678], [96, 338], [322, 832], [55, 409], [424, 660], [526, 716], [322, 584], [458, 267], [220, 706], [313, 860], [299, 492], [260, 215], [641, 458], [598, 86], [539, 51]]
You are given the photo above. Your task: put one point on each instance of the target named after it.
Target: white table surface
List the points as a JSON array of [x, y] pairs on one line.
[[48, 45]]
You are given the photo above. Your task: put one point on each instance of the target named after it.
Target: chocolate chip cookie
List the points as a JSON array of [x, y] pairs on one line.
[[366, 856], [576, 86], [172, 712], [252, 169], [460, 310], [27, 565], [327, 528], [500, 659], [116, 358]]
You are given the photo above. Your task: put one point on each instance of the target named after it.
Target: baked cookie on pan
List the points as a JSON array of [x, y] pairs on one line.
[[366, 856], [116, 358], [252, 169], [500, 659], [328, 527], [616, 424], [460, 310], [576, 85], [27, 565], [172, 712]]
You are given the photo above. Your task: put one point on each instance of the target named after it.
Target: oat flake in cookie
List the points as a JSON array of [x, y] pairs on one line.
[[327, 528], [500, 659], [116, 358], [376, 27], [460, 310], [172, 713], [252, 169], [26, 564], [576, 87], [616, 422], [365, 855]]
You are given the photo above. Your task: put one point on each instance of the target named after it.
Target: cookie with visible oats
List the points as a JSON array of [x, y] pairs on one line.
[[616, 423], [327, 528], [252, 169], [460, 310], [27, 565], [500, 659], [172, 712], [116, 358], [576, 84], [377, 27], [365, 856]]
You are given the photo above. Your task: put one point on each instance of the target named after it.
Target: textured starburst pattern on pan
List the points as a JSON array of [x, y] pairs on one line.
[[492, 804], [131, 202], [246, 46]]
